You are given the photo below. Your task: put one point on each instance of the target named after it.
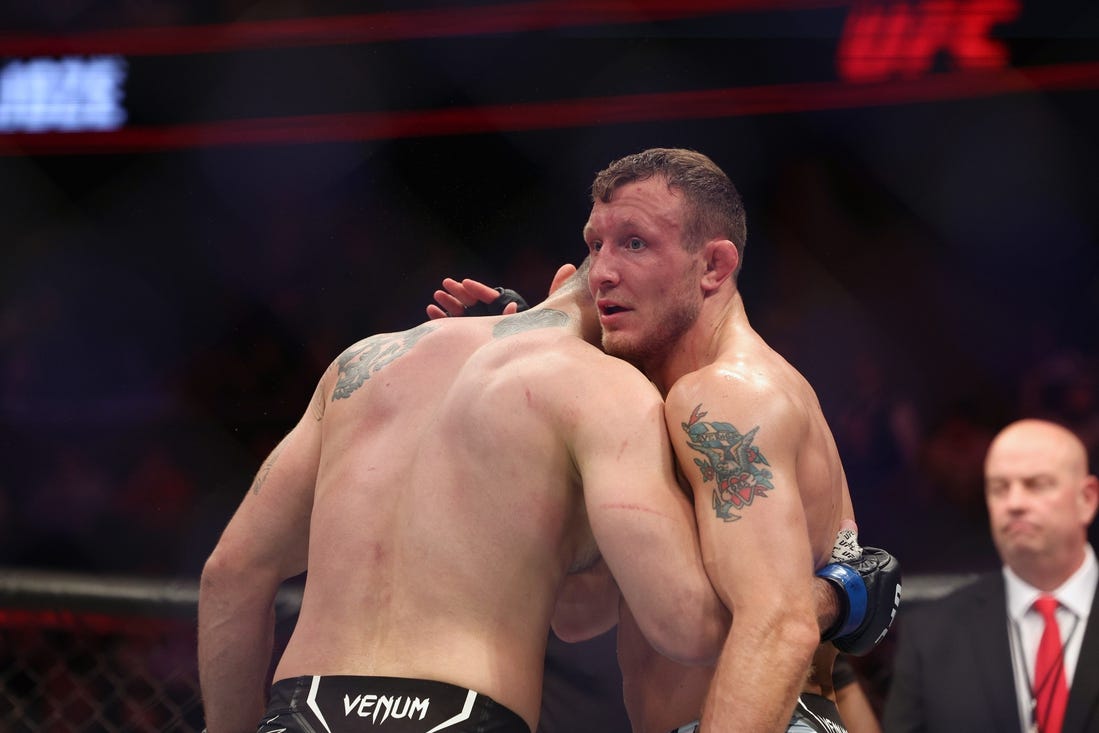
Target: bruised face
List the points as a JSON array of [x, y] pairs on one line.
[[1040, 498], [644, 282]]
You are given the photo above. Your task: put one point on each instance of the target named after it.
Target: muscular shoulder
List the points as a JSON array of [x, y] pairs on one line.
[[741, 397], [611, 382], [738, 387], [365, 358]]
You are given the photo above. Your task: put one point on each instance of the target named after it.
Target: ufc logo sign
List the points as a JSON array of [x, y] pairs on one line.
[[885, 39]]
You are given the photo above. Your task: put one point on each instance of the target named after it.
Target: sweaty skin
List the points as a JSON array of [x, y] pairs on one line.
[[657, 690], [797, 515], [749, 436], [439, 489]]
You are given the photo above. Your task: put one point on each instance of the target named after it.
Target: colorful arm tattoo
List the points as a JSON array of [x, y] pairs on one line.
[[731, 460]]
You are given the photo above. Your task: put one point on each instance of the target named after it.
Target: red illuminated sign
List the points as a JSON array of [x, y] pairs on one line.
[[883, 40]]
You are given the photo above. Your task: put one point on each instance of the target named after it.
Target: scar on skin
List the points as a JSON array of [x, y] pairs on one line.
[[631, 507]]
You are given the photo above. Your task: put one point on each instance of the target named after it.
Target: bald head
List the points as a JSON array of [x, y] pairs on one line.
[[1048, 443], [1040, 500]]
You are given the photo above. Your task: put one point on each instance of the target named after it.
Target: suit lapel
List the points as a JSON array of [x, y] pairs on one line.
[[989, 639], [1082, 713]]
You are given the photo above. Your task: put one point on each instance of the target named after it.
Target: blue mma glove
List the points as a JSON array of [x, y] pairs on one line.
[[497, 306], [870, 594]]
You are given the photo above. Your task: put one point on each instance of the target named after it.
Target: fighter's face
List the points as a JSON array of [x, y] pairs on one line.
[[644, 282]]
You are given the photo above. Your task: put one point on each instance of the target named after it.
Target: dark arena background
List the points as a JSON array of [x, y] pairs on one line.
[[204, 202]]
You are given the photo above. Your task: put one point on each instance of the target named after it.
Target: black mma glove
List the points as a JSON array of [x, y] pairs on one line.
[[870, 594], [497, 306]]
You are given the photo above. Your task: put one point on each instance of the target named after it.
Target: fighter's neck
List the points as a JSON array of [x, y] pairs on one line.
[[581, 312], [720, 325]]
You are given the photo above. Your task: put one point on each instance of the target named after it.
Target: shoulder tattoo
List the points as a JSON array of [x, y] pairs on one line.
[[360, 361], [530, 320], [730, 459]]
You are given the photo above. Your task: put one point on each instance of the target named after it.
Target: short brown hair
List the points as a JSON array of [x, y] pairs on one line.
[[714, 207]]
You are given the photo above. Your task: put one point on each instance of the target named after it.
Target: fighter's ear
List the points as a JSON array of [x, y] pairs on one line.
[[721, 259], [564, 272]]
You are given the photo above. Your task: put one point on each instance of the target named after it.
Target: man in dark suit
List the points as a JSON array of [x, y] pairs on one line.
[[981, 659]]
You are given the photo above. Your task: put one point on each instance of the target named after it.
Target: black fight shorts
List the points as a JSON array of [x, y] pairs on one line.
[[815, 714], [352, 704], [812, 714]]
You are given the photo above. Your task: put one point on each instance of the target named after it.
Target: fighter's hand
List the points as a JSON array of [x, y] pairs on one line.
[[455, 298], [870, 591]]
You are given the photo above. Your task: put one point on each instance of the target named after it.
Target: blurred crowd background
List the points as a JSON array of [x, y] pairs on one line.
[[293, 175], [929, 264]]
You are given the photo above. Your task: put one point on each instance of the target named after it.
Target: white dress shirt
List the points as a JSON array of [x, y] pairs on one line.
[[1025, 625]]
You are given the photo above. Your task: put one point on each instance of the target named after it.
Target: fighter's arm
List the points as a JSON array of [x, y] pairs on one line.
[[737, 441], [587, 604], [265, 542], [643, 522]]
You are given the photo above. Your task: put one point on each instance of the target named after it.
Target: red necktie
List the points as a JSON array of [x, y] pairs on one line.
[[1050, 690]]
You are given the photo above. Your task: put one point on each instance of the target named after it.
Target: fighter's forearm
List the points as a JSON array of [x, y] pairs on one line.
[[827, 602], [235, 642], [760, 672], [679, 612]]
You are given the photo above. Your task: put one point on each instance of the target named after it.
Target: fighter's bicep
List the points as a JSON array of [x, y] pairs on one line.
[[629, 468], [724, 462], [740, 460], [272, 522], [641, 519]]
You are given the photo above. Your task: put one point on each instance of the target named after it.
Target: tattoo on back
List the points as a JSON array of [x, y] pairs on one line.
[[371, 355], [731, 460], [530, 320]]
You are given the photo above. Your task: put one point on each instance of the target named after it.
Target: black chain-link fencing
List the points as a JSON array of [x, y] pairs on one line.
[[82, 654]]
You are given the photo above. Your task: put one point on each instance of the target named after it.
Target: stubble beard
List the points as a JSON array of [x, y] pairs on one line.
[[654, 346]]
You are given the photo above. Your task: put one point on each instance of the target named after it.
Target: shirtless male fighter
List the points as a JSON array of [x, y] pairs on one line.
[[438, 490], [666, 237]]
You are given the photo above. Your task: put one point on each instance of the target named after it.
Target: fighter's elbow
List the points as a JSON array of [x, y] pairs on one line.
[[225, 569], [692, 650], [230, 585], [804, 633], [701, 650], [219, 571], [795, 628], [694, 636]]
